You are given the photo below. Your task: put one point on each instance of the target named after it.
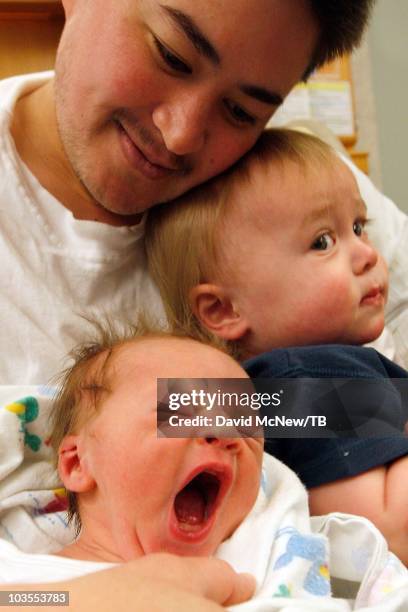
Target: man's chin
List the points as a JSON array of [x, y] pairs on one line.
[[127, 207]]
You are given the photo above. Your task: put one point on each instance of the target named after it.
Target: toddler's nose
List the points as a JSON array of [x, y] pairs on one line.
[[365, 257]]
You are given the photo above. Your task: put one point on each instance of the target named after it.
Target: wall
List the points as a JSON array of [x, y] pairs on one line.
[[29, 34], [388, 44], [366, 111]]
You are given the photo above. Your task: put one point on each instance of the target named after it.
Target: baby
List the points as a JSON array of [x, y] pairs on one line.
[[133, 491], [275, 254]]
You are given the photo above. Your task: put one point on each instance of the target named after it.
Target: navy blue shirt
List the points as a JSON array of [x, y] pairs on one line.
[[319, 461]]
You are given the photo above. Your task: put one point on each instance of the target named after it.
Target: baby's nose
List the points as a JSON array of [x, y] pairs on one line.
[[229, 444]]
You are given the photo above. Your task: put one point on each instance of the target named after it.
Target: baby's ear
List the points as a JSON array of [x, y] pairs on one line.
[[72, 468], [214, 309]]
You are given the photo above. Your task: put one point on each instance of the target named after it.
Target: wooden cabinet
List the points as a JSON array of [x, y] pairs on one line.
[[361, 159], [29, 34], [339, 71], [327, 99]]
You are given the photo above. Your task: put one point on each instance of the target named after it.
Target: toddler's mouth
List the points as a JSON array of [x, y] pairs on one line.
[[374, 297]]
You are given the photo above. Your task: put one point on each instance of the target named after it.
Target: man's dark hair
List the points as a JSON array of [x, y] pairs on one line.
[[342, 24]]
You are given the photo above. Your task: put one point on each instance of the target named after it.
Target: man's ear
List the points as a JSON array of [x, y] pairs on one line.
[[69, 6], [214, 309], [72, 468]]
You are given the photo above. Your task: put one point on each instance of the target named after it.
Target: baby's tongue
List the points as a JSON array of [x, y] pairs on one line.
[[190, 505]]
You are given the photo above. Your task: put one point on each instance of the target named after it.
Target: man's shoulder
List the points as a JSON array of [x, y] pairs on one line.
[[12, 88]]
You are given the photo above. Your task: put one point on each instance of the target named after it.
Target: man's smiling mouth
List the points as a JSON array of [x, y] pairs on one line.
[[143, 158]]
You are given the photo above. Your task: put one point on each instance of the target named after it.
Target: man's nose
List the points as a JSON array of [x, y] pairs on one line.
[[183, 124], [364, 256]]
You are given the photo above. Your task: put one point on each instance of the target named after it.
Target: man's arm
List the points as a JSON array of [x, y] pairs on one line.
[[159, 583], [380, 494]]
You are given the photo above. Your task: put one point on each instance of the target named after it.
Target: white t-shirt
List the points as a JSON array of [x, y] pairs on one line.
[[55, 268]]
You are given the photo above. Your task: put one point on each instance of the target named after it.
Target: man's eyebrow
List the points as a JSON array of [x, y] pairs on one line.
[[207, 49], [262, 94], [193, 32]]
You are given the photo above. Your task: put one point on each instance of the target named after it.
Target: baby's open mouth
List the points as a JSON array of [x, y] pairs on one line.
[[195, 504]]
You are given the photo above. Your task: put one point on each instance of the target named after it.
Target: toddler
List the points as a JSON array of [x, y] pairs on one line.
[[275, 254]]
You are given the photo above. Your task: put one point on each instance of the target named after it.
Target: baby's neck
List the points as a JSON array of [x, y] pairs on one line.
[[89, 552]]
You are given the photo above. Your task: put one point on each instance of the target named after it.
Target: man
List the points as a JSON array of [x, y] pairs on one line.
[[148, 100]]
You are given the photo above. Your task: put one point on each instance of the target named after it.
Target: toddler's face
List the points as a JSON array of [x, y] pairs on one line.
[[184, 496], [302, 269]]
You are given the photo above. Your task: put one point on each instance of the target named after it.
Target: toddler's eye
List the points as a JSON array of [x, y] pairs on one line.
[[358, 227], [323, 243]]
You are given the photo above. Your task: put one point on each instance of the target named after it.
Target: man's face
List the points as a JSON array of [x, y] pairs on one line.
[[180, 495], [154, 98], [299, 236]]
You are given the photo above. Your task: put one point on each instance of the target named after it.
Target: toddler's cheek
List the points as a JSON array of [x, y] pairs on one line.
[[384, 270]]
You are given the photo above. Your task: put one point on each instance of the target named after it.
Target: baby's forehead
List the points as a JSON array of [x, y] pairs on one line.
[[140, 357], [170, 356]]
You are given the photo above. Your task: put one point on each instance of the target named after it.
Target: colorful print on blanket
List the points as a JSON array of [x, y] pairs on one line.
[[309, 548], [27, 410], [33, 502]]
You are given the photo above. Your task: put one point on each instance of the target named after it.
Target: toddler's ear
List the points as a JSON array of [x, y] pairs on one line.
[[72, 468], [214, 309]]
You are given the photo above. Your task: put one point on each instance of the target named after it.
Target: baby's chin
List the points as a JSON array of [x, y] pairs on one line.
[[184, 549]]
